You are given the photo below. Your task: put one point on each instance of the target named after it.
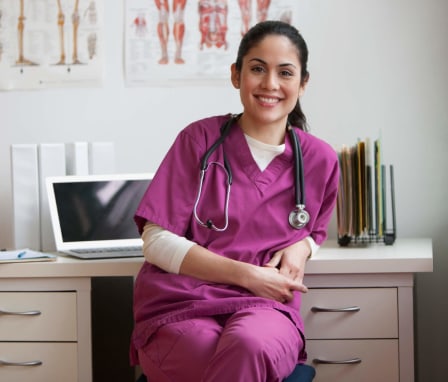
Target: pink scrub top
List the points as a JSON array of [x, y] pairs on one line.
[[260, 203]]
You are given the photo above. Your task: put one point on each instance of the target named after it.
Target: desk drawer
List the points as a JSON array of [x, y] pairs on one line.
[[378, 360], [374, 313], [59, 362], [38, 316]]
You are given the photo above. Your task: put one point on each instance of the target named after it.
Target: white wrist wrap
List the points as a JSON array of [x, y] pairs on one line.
[[163, 248], [314, 247]]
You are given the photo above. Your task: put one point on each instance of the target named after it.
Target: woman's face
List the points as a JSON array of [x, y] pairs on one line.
[[269, 82]]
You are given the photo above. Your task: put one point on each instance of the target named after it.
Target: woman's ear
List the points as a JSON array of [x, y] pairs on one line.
[[303, 85], [235, 76]]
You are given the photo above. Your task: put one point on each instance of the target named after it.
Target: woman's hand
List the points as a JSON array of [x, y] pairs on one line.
[[269, 282], [291, 261]]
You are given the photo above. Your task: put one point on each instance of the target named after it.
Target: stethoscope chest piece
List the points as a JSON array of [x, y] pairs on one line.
[[299, 217]]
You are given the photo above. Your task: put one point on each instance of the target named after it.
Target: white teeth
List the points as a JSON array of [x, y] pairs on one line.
[[268, 100]]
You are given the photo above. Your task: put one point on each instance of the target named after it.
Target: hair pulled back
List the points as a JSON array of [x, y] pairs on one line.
[[272, 27]]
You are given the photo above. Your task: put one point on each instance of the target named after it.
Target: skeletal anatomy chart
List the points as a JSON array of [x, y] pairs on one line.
[[169, 41], [50, 43]]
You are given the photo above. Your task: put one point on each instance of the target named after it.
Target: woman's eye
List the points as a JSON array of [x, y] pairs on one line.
[[286, 73], [257, 69]]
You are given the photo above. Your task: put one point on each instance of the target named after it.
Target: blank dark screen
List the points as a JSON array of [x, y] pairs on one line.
[[99, 210]]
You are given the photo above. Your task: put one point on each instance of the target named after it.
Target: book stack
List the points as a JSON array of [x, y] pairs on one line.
[[366, 200]]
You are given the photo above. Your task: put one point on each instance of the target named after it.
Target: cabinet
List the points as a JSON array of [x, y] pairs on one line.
[[42, 332], [360, 328], [376, 333]]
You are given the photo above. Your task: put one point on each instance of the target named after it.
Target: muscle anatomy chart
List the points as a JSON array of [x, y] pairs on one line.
[[48, 43], [176, 40]]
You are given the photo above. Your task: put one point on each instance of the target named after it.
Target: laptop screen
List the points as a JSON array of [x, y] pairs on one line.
[[95, 211]]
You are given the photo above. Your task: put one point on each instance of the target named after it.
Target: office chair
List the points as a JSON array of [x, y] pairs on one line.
[[301, 373]]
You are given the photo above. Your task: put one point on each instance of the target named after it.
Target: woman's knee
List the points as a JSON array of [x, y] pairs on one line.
[[184, 346], [265, 332], [256, 344]]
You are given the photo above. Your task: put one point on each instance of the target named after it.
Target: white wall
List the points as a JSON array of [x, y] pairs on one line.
[[376, 65]]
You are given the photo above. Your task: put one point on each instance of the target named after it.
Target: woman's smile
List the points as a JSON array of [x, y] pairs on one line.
[[270, 101]]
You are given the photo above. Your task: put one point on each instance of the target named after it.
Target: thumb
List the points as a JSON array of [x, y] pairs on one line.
[[275, 260]]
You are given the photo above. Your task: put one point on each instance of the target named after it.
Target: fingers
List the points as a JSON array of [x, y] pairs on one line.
[[289, 295], [299, 286]]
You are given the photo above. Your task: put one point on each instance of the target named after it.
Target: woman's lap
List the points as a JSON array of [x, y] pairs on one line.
[[256, 344]]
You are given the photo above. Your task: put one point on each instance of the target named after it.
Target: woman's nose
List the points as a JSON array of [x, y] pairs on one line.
[[270, 81]]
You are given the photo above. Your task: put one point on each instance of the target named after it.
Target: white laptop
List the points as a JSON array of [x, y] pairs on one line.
[[93, 215]]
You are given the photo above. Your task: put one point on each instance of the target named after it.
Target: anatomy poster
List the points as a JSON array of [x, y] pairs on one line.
[[50, 43], [171, 41]]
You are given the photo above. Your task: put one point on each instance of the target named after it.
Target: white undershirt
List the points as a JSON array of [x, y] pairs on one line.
[[167, 250], [263, 153]]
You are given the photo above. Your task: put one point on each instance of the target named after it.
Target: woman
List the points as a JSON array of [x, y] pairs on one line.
[[218, 298]]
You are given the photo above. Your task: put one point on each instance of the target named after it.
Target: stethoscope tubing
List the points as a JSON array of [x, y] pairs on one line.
[[299, 178], [209, 222], [298, 218], [225, 130]]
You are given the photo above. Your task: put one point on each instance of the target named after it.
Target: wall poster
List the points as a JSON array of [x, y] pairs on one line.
[[172, 41], [50, 43]]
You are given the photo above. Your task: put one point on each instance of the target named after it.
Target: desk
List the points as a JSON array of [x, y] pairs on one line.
[[63, 288]]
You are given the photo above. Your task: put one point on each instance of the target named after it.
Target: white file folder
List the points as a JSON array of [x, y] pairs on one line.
[[25, 195], [51, 163]]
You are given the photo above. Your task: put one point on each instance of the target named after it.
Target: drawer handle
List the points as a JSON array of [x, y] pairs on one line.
[[27, 363], [26, 313], [343, 362], [317, 309]]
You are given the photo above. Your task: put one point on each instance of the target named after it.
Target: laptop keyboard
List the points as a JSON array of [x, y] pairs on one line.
[[106, 253]]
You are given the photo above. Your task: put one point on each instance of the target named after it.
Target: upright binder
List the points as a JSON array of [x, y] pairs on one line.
[[51, 163], [25, 196], [101, 158], [77, 158]]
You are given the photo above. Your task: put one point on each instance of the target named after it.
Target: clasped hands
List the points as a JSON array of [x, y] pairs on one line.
[[283, 274]]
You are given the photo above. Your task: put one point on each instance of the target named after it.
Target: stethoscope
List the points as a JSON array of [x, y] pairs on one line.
[[298, 217]]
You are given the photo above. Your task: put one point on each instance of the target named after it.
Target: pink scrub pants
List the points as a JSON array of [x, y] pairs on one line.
[[252, 345]]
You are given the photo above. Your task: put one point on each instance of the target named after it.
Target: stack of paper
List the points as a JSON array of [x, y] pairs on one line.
[[25, 255]]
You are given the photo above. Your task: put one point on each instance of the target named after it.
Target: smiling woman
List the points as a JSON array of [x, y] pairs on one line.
[[271, 75], [363, 79], [223, 284]]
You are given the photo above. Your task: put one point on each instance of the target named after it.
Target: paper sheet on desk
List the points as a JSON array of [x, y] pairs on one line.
[[25, 255]]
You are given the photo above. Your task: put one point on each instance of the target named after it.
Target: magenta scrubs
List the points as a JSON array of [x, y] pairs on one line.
[[260, 203]]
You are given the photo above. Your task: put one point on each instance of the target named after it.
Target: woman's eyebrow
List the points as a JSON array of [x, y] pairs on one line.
[[286, 64], [258, 60]]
